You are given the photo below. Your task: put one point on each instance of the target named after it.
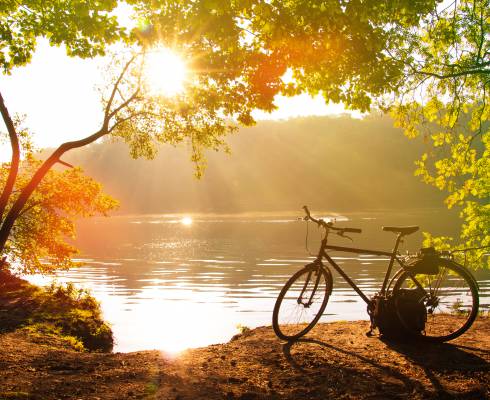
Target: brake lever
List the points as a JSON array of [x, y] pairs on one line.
[[342, 234]]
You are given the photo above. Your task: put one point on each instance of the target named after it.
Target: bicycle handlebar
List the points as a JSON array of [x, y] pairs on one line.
[[328, 225], [353, 230]]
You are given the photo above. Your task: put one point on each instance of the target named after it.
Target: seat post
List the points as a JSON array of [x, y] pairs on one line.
[[392, 260]]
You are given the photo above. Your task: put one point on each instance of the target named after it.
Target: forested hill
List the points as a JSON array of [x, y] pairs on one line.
[[329, 163]]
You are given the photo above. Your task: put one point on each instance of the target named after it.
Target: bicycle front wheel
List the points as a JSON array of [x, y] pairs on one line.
[[301, 302], [451, 300]]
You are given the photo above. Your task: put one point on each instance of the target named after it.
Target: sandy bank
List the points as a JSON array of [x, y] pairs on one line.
[[335, 360]]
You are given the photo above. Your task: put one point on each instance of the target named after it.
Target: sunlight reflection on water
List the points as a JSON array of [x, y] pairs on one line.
[[172, 286]]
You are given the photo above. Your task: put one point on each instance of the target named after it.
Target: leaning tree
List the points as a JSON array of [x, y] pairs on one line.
[[38, 202], [35, 224]]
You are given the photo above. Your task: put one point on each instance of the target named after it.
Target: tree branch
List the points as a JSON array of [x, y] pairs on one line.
[[30, 207], [65, 164], [455, 74], [122, 105], [116, 88], [482, 37], [15, 160], [476, 65], [26, 192], [470, 249], [62, 149], [131, 116]]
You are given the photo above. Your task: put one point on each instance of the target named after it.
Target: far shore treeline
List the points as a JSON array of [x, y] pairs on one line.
[[334, 163]]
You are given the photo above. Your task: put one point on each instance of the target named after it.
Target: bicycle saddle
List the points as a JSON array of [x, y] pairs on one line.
[[404, 230]]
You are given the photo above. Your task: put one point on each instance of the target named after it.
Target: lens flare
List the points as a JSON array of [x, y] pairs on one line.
[[165, 72]]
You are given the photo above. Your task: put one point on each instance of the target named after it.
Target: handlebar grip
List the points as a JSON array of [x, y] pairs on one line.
[[352, 230]]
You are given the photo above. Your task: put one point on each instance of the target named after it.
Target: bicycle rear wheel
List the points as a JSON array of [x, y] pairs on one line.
[[301, 302], [451, 300]]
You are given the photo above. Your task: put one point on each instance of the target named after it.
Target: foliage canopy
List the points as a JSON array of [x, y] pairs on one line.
[[426, 63], [445, 98], [83, 27], [47, 219], [428, 66]]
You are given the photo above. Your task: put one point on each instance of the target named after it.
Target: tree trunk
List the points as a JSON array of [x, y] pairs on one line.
[[36, 179], [14, 164]]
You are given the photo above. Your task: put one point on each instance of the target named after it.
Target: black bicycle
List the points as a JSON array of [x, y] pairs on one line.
[[447, 291]]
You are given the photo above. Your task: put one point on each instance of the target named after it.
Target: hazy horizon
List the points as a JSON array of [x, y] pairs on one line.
[[329, 163]]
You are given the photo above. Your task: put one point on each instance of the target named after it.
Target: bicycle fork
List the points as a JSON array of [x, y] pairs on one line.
[[305, 285]]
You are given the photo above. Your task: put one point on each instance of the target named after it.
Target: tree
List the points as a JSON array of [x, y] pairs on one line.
[[444, 97], [84, 29], [46, 221], [356, 52], [425, 62], [40, 202], [336, 48], [30, 199]]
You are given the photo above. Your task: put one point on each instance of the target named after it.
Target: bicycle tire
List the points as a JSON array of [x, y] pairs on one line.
[[302, 281], [450, 312]]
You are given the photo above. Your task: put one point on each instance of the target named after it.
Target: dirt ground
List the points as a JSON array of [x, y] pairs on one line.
[[335, 360]]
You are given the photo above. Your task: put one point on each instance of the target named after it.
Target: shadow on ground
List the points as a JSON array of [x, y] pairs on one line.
[[399, 370], [335, 361]]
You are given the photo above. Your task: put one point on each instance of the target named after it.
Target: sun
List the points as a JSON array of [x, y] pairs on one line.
[[165, 72], [186, 221]]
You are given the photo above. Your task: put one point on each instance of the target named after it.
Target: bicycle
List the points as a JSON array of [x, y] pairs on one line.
[[449, 292]]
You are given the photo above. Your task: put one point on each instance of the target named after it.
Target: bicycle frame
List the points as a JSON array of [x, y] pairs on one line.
[[402, 303], [393, 257]]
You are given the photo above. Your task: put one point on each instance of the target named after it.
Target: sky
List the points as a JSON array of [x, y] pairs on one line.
[[58, 96]]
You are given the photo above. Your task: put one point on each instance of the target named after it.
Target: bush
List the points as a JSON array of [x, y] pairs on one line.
[[71, 314]]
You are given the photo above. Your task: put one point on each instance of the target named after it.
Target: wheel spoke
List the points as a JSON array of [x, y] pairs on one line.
[[293, 318], [451, 302]]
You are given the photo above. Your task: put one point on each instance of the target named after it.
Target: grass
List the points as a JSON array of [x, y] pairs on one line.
[[58, 311], [13, 395], [242, 328]]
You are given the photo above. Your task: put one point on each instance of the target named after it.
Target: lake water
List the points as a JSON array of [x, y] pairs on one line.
[[172, 282]]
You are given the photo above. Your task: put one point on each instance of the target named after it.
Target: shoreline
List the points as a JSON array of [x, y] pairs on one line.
[[335, 360], [42, 359]]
